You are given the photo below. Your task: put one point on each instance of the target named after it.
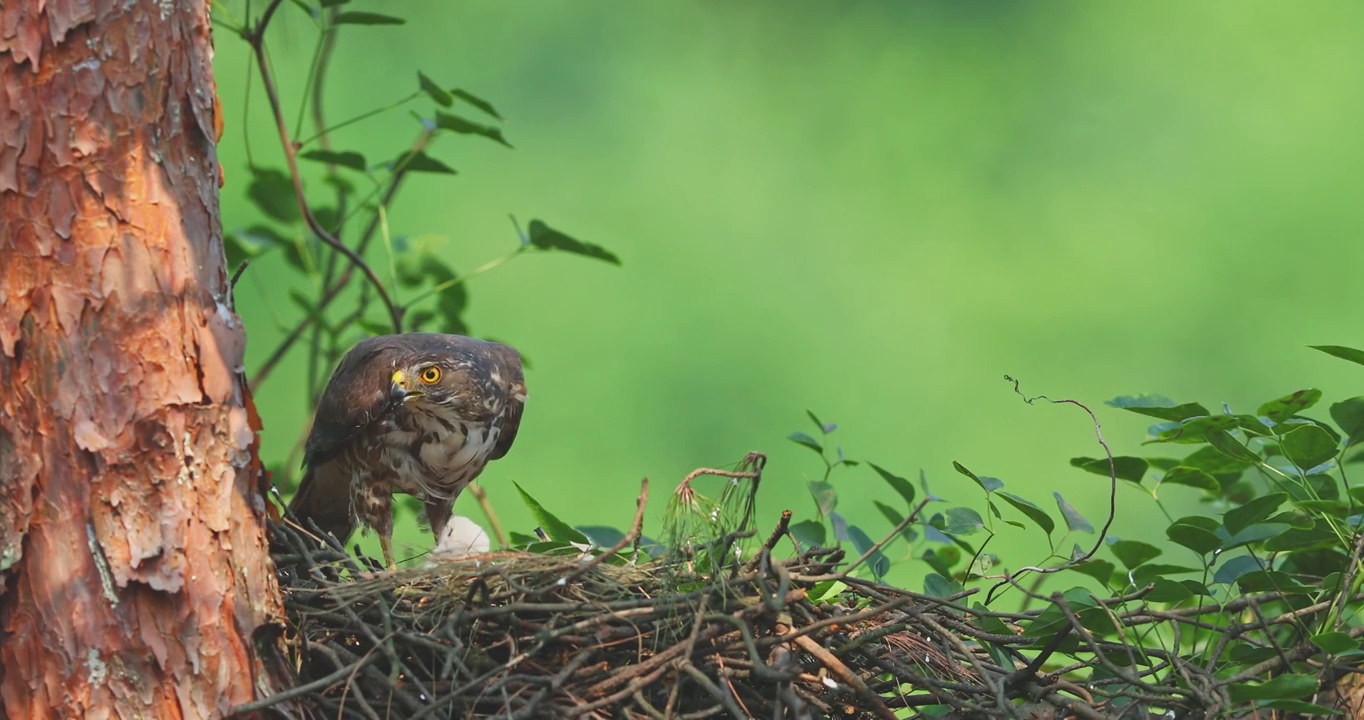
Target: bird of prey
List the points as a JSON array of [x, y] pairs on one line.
[[417, 413]]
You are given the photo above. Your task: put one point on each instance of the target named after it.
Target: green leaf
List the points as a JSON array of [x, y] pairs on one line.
[[327, 218], [1281, 687], [1192, 477], [827, 591], [963, 521], [988, 484], [1196, 429], [1034, 513], [1158, 407], [372, 327], [1290, 405], [357, 17], [420, 262], [463, 126], [1168, 591], [347, 159], [601, 535], [1189, 533], [810, 533], [1308, 446], [556, 528], [1218, 463], [1231, 447], [249, 243], [801, 438], [1150, 571], [333, 3], [442, 96], [1238, 519], [1272, 581], [421, 162], [942, 559], [555, 547], [877, 561], [824, 428], [1349, 417], [1293, 422], [1336, 508], [476, 101], [273, 193], [1101, 570], [1232, 570], [546, 238], [1133, 554], [1131, 469], [1080, 601], [1255, 533], [939, 586], [826, 498], [1074, 520], [1335, 642], [1253, 425], [1344, 353], [900, 485], [305, 7]]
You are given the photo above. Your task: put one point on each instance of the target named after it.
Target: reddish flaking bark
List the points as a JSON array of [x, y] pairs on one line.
[[133, 561]]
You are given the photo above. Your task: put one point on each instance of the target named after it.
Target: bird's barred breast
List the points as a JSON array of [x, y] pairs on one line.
[[432, 458]]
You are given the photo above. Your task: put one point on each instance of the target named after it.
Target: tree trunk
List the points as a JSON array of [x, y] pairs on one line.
[[133, 561]]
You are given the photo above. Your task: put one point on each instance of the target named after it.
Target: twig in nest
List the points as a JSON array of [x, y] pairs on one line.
[[777, 534], [890, 536], [482, 496], [836, 666], [629, 538]]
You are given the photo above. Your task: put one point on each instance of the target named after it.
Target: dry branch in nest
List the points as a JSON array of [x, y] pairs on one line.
[[703, 633], [505, 634]]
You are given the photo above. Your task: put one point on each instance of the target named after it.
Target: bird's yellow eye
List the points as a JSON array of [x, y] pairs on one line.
[[430, 375]]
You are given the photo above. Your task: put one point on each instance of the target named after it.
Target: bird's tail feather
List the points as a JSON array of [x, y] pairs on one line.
[[324, 498]]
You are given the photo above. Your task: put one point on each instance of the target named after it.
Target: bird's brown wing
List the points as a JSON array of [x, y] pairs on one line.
[[509, 367], [324, 498], [356, 396]]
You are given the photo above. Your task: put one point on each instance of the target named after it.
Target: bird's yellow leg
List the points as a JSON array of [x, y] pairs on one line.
[[386, 544]]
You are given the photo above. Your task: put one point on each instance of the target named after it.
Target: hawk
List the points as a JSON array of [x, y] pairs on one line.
[[416, 413]]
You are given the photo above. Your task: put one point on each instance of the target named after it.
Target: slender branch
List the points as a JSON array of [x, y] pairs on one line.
[[238, 274], [629, 539], [256, 39], [318, 82], [362, 116], [334, 290], [1010, 578], [836, 666], [482, 496], [887, 538]]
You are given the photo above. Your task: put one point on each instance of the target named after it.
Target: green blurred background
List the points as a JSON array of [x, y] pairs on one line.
[[871, 210]]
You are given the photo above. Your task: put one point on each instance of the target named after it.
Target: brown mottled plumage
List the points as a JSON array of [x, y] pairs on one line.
[[418, 413]]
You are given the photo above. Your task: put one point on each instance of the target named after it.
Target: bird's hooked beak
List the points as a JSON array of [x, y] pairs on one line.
[[399, 392]]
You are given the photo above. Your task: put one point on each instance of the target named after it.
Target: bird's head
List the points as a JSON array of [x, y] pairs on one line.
[[426, 386]]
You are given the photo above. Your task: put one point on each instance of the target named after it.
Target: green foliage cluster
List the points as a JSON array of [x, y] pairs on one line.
[[1261, 594], [340, 227]]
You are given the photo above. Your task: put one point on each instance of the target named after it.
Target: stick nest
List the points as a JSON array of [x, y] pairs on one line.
[[533, 635]]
